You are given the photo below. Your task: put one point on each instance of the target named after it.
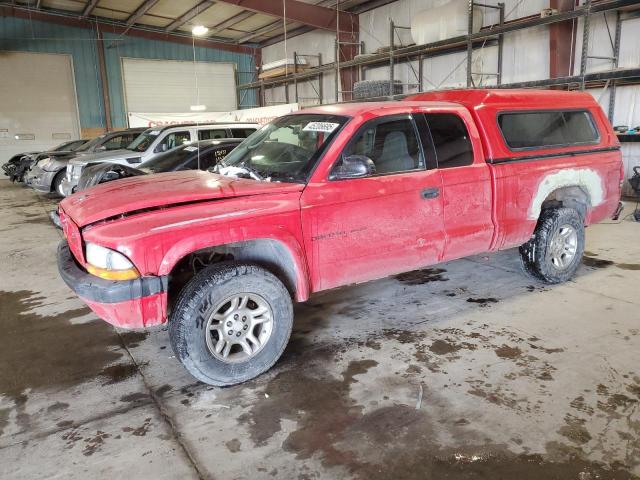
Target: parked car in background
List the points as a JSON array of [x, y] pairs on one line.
[[201, 155], [17, 165], [47, 173], [153, 142], [335, 195]]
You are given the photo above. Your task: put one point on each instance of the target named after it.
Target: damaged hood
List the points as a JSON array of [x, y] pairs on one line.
[[105, 156], [162, 190]]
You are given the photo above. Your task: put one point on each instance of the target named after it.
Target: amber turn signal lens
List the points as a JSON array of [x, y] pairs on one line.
[[129, 274]]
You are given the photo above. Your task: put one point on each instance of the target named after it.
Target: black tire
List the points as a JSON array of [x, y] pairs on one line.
[[57, 182], [535, 255], [195, 305]]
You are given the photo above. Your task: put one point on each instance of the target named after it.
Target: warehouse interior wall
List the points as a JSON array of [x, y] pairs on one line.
[[526, 57], [310, 43], [17, 34]]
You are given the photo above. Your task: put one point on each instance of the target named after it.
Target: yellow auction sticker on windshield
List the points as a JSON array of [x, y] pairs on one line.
[[327, 127]]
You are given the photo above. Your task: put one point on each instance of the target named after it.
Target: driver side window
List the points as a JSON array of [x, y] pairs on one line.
[[173, 140], [391, 144]]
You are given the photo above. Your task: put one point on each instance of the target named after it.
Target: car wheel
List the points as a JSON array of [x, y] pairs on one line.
[[231, 323], [56, 185], [554, 252]]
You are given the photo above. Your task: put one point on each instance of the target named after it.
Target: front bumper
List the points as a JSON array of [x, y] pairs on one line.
[[40, 179], [135, 303]]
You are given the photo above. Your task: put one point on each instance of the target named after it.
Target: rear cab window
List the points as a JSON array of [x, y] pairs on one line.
[[532, 129]]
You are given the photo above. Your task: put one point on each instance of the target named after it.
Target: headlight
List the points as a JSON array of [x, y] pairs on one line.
[[109, 264], [46, 164]]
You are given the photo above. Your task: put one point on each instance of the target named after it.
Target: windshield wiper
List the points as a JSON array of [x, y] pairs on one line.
[[251, 170], [283, 176]]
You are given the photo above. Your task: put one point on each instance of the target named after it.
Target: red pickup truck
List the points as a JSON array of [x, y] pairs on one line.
[[334, 195]]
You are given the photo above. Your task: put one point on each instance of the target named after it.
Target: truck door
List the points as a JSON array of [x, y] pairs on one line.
[[387, 222], [466, 184]]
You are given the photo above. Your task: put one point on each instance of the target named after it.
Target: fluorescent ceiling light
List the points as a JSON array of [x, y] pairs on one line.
[[198, 108], [199, 30]]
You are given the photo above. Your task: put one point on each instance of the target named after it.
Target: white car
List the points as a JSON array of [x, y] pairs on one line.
[[152, 142]]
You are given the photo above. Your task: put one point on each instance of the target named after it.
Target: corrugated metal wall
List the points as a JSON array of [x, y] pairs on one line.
[[35, 36]]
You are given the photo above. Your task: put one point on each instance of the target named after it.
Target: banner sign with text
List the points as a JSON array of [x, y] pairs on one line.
[[259, 115]]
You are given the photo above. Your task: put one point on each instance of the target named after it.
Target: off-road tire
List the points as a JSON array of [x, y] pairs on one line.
[[57, 182], [195, 304], [535, 257]]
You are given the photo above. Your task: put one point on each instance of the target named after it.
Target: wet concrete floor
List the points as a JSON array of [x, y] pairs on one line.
[[466, 370]]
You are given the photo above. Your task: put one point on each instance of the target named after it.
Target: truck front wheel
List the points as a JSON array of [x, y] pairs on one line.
[[231, 323], [554, 252]]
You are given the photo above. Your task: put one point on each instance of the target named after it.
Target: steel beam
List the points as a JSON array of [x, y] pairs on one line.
[[374, 60], [619, 74], [270, 27], [140, 11], [322, 18], [70, 19], [230, 22], [88, 9], [189, 14]]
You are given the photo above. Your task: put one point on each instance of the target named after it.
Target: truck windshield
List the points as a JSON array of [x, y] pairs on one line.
[[285, 150], [143, 141], [166, 162]]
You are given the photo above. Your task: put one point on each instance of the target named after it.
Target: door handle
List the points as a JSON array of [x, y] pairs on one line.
[[429, 193]]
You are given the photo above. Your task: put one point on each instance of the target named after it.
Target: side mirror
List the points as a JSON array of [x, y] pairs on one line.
[[353, 166]]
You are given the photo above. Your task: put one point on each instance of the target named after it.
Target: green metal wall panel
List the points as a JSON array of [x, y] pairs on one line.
[[36, 36]]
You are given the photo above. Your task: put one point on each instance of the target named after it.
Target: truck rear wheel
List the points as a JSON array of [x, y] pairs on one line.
[[554, 252], [231, 323]]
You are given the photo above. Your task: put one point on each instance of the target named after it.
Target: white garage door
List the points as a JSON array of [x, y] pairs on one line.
[[168, 86], [37, 102]]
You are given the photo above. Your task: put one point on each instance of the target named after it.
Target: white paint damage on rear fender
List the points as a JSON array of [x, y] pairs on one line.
[[588, 179]]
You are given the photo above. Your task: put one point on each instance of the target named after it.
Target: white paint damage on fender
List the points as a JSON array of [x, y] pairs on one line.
[[588, 179]]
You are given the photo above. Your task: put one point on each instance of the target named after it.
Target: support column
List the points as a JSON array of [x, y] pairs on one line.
[[562, 38], [348, 45], [104, 82]]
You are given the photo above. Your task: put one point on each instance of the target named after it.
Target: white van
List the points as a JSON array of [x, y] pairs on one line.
[[152, 142]]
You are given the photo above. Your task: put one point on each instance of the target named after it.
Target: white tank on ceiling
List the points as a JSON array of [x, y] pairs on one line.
[[446, 21]]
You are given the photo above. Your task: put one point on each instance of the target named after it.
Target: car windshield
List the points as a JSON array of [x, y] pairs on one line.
[[143, 141], [72, 145], [165, 162], [90, 144], [284, 150]]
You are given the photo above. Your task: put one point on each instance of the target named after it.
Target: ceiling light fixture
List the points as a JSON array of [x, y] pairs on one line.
[[198, 108], [199, 30]]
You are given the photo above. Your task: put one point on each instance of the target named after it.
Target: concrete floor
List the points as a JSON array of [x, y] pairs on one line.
[[470, 370]]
